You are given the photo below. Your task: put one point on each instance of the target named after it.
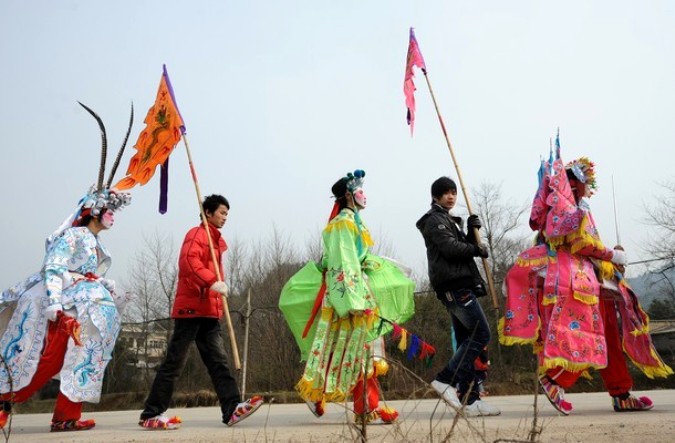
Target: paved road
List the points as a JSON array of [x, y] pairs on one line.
[[593, 420]]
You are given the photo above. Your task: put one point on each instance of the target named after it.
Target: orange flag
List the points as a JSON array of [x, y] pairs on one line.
[[164, 127]]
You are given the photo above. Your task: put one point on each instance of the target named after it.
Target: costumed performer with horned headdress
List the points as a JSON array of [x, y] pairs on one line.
[[568, 296], [64, 320], [351, 291]]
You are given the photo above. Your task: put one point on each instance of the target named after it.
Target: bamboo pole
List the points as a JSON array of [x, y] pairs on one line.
[[486, 266], [230, 329]]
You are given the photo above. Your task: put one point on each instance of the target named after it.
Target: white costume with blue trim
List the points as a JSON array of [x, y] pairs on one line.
[[71, 255]]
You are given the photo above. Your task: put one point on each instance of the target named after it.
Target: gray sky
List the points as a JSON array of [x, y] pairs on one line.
[[282, 98]]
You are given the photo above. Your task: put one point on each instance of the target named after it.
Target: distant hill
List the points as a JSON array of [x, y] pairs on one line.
[[651, 286]]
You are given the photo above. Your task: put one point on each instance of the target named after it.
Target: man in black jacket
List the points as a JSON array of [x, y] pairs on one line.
[[455, 278]]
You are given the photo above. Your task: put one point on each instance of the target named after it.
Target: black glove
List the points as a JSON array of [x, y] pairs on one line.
[[473, 222], [480, 251]]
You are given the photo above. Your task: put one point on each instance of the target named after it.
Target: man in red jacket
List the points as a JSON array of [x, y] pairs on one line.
[[196, 312]]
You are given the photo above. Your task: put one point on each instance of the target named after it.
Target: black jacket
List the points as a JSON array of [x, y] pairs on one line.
[[449, 252]]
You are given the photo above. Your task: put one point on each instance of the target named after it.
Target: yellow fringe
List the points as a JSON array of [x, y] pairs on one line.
[[531, 262], [559, 362], [370, 319], [307, 392], [510, 341], [581, 238], [589, 299], [335, 397], [661, 371], [606, 269], [556, 242], [369, 417], [345, 324], [326, 313]]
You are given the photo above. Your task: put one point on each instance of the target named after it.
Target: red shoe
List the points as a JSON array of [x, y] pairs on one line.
[[380, 416], [316, 407], [385, 416], [632, 403], [161, 423], [72, 425], [4, 418], [245, 409], [554, 394]]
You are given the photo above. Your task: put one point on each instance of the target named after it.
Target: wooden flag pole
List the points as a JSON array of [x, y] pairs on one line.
[[486, 266], [230, 329]]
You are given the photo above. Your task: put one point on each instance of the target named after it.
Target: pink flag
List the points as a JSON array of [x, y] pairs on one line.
[[414, 59]]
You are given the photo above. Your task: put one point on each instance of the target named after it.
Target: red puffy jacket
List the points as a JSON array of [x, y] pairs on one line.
[[196, 274]]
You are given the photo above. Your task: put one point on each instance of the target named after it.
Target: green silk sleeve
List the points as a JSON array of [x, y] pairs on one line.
[[346, 289]]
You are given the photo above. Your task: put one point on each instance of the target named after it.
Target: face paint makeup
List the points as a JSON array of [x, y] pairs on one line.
[[108, 219], [360, 198]]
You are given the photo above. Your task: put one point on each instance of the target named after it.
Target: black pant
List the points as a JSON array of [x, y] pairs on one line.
[[472, 334], [206, 334]]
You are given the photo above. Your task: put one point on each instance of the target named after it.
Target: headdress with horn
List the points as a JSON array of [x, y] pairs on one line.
[[101, 196]]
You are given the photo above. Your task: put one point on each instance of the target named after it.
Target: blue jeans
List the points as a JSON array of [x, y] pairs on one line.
[[206, 334], [472, 333]]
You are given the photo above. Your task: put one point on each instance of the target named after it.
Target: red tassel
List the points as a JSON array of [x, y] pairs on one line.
[[335, 211], [397, 332], [427, 351]]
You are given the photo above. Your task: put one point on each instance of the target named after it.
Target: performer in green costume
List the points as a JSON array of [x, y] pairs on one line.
[[352, 292]]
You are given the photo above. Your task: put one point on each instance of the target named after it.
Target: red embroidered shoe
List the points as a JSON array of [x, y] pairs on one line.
[[554, 394], [385, 416], [632, 403], [316, 407], [380, 416], [245, 409], [161, 423], [72, 425]]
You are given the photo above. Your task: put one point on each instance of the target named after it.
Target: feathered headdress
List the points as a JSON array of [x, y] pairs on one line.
[[584, 170]]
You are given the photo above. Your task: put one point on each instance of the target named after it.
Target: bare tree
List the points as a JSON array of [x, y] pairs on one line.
[[662, 218], [662, 246], [152, 280], [502, 223], [273, 354]]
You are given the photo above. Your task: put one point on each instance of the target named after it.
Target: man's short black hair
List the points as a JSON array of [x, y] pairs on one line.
[[442, 186], [213, 202]]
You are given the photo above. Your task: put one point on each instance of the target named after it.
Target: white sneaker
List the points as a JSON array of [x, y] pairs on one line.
[[447, 393], [480, 408]]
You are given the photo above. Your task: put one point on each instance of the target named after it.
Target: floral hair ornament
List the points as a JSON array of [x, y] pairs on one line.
[[354, 180], [98, 200], [350, 182], [584, 170]]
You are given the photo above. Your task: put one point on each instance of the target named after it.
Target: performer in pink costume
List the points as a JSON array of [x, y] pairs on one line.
[[568, 297]]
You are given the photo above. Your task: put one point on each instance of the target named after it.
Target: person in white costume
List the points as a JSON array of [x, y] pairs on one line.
[[63, 320]]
